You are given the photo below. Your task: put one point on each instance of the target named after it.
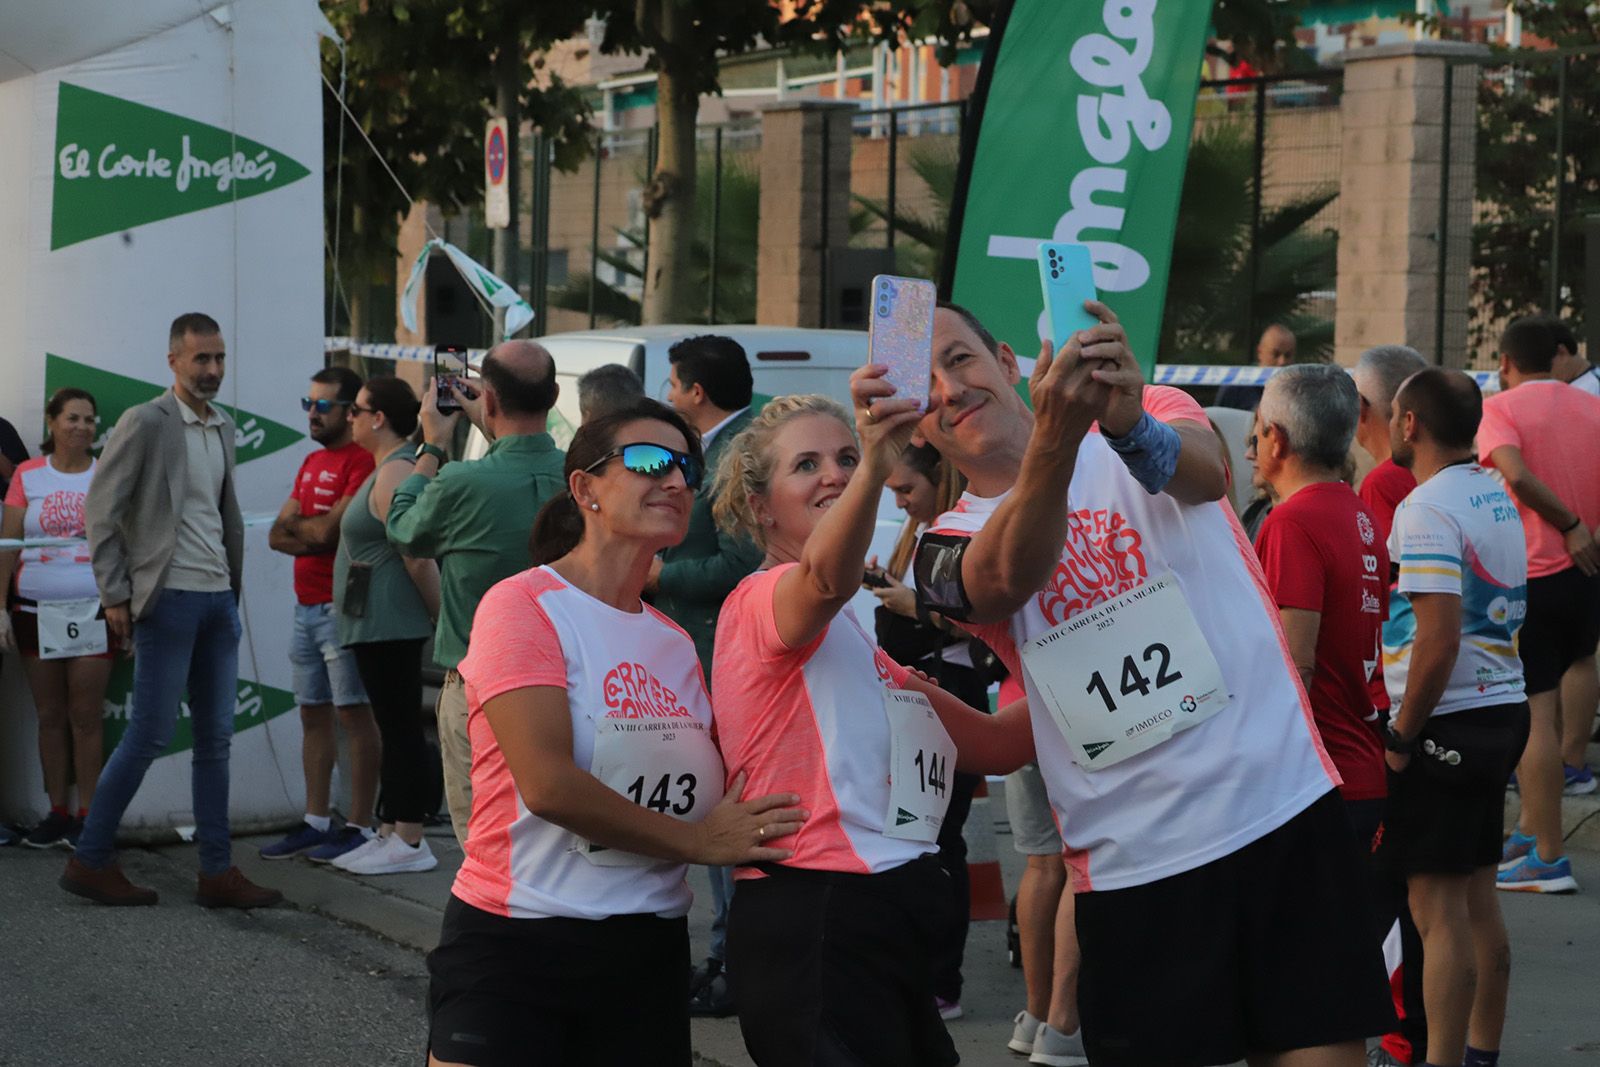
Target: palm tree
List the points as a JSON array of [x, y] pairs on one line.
[[1209, 305]]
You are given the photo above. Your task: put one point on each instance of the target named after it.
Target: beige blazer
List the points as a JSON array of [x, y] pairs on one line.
[[131, 512]]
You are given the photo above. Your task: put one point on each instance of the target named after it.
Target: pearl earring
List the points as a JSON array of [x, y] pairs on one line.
[[594, 507]]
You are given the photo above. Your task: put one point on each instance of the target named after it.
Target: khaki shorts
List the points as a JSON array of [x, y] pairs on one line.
[[1033, 822]]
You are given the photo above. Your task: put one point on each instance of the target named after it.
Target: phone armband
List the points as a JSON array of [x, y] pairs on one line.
[[938, 570]]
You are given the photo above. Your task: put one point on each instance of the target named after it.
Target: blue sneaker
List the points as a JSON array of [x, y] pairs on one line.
[[1534, 875], [8, 836], [303, 837], [1579, 781], [1516, 847], [345, 839]]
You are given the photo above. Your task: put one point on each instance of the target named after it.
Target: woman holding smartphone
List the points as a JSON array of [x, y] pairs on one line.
[[594, 779], [386, 604], [830, 951]]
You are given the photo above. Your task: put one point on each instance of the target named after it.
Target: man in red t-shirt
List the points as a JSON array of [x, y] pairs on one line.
[[1378, 375], [1326, 568], [325, 675]]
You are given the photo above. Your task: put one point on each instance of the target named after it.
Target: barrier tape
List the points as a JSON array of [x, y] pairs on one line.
[[8, 544], [1180, 374]]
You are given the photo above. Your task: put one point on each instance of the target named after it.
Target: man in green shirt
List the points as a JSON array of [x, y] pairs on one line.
[[474, 517]]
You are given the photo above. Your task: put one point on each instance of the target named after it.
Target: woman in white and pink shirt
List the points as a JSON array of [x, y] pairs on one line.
[[595, 779], [830, 951], [55, 585]]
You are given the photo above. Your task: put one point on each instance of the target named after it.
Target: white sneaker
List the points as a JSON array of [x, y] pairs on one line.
[[1024, 1033], [395, 857], [366, 848], [1055, 1049]]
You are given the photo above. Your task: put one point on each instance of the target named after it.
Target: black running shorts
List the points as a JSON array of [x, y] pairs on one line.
[[1267, 949], [837, 969], [559, 992], [1449, 817], [1562, 626]]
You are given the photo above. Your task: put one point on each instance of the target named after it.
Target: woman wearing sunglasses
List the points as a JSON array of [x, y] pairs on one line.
[[386, 605], [594, 779], [831, 952]]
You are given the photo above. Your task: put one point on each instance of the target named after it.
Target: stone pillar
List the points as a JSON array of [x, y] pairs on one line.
[[797, 228], [1394, 144]]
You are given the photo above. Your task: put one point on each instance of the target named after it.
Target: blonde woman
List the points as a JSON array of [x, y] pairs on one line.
[[830, 951]]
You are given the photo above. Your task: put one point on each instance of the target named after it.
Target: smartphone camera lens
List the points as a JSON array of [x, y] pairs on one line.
[[1054, 273]]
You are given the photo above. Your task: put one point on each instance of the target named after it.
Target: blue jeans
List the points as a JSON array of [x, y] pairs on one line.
[[721, 897], [188, 640]]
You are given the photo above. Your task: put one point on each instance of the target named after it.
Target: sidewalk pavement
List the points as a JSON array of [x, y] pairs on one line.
[[310, 983]]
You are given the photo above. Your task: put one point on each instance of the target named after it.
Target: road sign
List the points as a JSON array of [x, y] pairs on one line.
[[496, 170]]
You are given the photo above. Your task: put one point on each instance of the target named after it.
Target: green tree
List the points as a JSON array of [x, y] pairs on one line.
[[736, 242], [1209, 291], [1521, 116], [421, 77]]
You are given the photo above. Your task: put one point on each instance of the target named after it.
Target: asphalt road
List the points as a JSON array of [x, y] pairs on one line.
[[337, 976]]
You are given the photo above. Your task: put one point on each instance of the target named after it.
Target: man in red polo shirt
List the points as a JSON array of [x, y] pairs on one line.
[[325, 675], [1327, 570]]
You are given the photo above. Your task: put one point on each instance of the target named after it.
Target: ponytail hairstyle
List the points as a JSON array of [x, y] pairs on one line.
[[948, 485], [558, 528], [396, 401], [56, 405], [746, 464]]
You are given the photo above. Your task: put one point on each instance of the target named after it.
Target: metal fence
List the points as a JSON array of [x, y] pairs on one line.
[[1256, 242], [1525, 196]]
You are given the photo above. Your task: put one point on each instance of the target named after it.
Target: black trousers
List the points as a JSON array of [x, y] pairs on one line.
[[391, 671], [950, 949]]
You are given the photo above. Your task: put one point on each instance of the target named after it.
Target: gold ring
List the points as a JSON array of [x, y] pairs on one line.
[[761, 832], [869, 412]]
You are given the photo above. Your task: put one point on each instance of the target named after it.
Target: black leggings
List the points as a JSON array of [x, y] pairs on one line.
[[391, 671]]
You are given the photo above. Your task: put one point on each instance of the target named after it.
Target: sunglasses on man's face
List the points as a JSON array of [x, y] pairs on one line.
[[654, 461], [322, 407]]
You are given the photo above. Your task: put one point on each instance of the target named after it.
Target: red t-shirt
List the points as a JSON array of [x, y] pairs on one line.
[[327, 476], [1381, 491], [1321, 552]]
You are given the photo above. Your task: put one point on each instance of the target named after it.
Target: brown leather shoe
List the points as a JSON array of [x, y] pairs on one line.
[[231, 889], [104, 885]]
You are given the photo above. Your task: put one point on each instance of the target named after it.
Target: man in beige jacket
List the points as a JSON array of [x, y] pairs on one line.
[[167, 543]]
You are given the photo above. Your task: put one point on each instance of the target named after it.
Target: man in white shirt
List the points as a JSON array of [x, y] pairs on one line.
[[1096, 553]]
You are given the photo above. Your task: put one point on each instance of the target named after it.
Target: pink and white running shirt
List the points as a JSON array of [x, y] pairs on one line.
[[810, 721], [1211, 789], [534, 629], [54, 503]]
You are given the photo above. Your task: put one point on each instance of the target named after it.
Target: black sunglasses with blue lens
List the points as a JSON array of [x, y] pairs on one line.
[[322, 407], [654, 461]]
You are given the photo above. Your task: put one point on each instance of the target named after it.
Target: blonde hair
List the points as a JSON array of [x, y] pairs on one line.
[[746, 465]]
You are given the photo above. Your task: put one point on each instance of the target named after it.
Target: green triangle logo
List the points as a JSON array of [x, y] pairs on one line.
[[1094, 748], [903, 816], [119, 164], [116, 393], [257, 705]]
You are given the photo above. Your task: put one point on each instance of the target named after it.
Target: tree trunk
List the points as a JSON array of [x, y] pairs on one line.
[[670, 294], [508, 76]]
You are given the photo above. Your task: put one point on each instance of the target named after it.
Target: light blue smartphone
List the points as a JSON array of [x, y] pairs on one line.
[[1066, 273], [900, 334]]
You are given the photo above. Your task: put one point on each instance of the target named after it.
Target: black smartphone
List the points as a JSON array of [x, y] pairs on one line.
[[450, 370], [875, 578]]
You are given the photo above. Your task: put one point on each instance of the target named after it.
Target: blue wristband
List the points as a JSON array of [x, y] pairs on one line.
[[1149, 451]]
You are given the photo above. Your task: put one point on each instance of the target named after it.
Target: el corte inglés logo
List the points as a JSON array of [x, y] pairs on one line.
[[119, 165]]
